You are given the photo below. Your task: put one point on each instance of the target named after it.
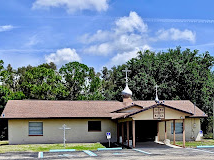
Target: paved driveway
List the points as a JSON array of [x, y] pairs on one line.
[[125, 154], [150, 144]]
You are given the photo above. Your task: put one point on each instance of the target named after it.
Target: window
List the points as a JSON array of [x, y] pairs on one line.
[[35, 128], [178, 128], [94, 126]]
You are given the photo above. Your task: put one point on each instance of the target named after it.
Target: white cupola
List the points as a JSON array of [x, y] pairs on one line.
[[127, 93]]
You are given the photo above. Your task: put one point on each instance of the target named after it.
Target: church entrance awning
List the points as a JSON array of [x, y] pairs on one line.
[[144, 124]]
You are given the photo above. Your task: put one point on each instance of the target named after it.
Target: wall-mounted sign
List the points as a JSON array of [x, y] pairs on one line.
[[159, 113]]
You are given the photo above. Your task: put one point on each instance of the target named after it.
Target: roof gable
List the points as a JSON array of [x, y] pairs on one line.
[[129, 109], [157, 105]]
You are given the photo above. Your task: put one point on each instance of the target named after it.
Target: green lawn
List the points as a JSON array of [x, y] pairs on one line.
[[193, 144], [4, 147]]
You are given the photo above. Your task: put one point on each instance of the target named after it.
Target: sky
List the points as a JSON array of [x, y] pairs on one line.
[[100, 32]]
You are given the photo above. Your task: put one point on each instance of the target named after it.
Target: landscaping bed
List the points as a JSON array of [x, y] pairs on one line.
[[194, 144]]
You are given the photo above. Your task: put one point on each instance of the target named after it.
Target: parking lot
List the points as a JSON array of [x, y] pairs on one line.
[[139, 153]]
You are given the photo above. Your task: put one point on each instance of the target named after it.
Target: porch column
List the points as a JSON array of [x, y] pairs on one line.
[[133, 133], [118, 132], [127, 123], [174, 131], [122, 132], [184, 133], [158, 134], [165, 131]]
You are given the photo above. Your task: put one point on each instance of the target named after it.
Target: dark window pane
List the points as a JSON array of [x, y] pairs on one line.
[[178, 128], [94, 125], [35, 128]]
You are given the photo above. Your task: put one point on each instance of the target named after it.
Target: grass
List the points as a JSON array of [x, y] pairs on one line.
[[194, 144], [4, 147], [3, 143]]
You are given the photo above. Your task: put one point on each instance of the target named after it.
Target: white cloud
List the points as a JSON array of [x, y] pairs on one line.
[[121, 58], [102, 49], [176, 34], [73, 5], [99, 36], [131, 23], [33, 40], [6, 28], [63, 56], [127, 34]]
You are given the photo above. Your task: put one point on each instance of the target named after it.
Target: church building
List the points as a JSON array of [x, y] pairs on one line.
[[130, 122]]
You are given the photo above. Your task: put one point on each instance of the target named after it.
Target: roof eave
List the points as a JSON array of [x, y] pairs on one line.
[[197, 116]]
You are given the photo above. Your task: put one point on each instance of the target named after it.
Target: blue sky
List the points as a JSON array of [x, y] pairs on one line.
[[100, 33]]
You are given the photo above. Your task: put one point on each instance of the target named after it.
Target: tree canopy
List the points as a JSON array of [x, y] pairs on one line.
[[180, 75]]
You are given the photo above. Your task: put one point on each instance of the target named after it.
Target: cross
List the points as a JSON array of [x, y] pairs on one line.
[[156, 86], [156, 98], [64, 128], [126, 70]]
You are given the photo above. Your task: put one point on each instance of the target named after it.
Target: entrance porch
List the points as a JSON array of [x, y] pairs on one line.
[[136, 133]]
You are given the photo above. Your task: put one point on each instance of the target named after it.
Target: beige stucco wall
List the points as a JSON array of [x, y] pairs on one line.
[[18, 131], [192, 128], [169, 114], [146, 115]]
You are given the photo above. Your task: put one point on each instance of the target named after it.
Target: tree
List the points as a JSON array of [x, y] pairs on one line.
[[42, 83], [75, 76], [94, 87], [50, 65], [181, 75], [1, 65], [9, 77]]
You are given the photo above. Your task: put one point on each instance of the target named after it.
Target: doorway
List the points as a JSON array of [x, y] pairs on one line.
[[146, 130]]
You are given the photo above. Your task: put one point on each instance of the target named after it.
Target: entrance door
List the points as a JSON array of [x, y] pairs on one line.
[[146, 130]]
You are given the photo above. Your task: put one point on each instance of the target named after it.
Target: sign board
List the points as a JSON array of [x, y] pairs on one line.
[[158, 113], [108, 135], [201, 133]]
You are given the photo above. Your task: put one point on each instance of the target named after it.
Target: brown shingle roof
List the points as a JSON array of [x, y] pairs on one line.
[[81, 109]]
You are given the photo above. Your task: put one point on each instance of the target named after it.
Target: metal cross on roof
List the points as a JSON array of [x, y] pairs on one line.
[[126, 70], [156, 98], [64, 128], [156, 86]]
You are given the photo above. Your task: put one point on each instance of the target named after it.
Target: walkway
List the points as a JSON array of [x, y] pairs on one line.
[[150, 144]]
